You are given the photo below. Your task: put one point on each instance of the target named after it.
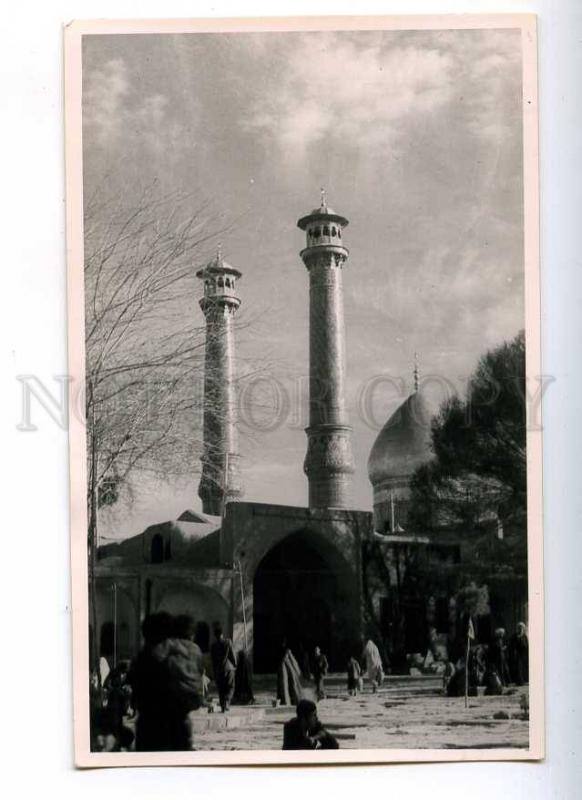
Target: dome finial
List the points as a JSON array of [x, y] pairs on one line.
[[323, 198], [415, 372], [219, 253]]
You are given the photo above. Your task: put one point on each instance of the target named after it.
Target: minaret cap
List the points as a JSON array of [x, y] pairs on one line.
[[324, 211], [218, 266]]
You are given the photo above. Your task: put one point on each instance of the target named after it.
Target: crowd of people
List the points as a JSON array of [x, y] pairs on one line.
[[167, 680], [495, 665], [146, 704], [315, 667]]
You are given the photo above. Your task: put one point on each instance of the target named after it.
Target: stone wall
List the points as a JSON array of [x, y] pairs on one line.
[[205, 594]]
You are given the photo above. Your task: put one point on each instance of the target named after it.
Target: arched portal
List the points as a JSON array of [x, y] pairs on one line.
[[303, 595]]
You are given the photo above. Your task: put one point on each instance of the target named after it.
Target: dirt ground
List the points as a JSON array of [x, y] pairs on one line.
[[405, 713]]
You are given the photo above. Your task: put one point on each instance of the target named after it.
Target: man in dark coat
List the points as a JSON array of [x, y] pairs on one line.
[[519, 655], [166, 684], [223, 666], [150, 681], [305, 731], [320, 667]]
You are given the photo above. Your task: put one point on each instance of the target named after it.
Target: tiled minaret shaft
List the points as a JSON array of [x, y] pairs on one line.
[[220, 481], [329, 462]]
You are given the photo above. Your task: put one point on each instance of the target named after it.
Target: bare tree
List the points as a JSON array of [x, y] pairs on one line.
[[144, 347], [144, 351]]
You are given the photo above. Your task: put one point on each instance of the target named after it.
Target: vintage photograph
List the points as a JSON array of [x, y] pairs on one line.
[[306, 432]]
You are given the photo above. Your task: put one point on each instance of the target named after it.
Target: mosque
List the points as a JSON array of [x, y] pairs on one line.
[[267, 572]]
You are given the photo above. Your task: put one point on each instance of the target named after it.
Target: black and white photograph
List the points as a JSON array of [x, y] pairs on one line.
[[305, 420]]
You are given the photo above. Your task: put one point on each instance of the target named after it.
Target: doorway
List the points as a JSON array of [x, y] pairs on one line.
[[295, 592]]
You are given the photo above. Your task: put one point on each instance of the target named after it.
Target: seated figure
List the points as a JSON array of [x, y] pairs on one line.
[[305, 731]]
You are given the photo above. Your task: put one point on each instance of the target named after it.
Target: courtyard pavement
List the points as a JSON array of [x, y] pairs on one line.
[[406, 712]]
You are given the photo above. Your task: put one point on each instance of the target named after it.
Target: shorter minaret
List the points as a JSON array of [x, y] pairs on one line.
[[220, 481]]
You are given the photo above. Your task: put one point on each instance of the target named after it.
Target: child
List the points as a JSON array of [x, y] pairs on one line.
[[354, 676], [185, 665]]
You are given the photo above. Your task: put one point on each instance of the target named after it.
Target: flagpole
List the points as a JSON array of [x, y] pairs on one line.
[[470, 635], [238, 567], [467, 673]]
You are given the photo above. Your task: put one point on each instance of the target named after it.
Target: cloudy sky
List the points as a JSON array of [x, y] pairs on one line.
[[416, 137]]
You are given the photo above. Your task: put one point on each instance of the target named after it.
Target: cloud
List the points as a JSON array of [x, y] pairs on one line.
[[416, 135], [493, 61], [334, 87], [104, 91], [119, 118]]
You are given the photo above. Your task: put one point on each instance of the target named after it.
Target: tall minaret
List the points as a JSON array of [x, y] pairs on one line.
[[329, 462], [220, 481]]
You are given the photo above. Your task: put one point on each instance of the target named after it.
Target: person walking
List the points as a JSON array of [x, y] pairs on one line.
[[320, 668], [354, 676], [186, 667], [186, 662], [149, 678], [223, 666], [289, 689], [373, 661]]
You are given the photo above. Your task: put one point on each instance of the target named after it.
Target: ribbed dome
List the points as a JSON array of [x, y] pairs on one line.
[[403, 444], [323, 210]]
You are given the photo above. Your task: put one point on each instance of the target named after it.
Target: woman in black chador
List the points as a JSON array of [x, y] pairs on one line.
[[497, 656], [289, 689], [243, 680], [223, 666], [519, 655]]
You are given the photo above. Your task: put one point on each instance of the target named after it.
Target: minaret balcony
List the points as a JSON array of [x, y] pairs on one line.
[[310, 253], [218, 302]]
